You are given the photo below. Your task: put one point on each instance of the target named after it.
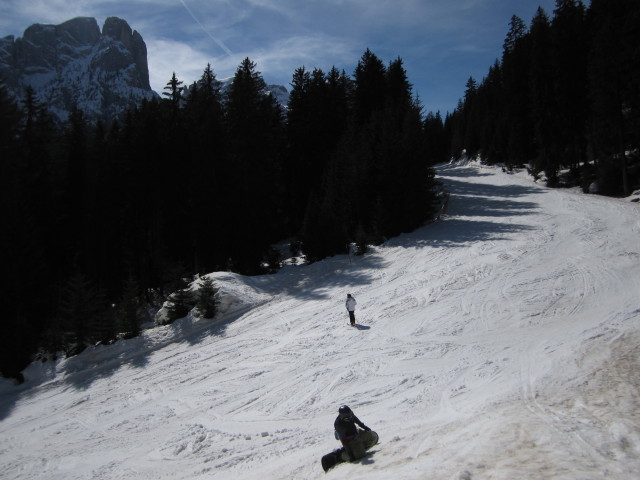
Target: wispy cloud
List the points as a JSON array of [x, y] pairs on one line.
[[168, 56], [441, 43], [204, 29], [279, 60]]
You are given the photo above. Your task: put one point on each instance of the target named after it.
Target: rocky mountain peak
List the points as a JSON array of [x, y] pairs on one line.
[[120, 31], [74, 64]]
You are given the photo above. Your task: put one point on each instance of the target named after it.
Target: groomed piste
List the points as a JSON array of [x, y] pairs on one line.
[[500, 342]]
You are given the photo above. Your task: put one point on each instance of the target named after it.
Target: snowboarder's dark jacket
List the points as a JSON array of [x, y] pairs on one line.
[[346, 430]]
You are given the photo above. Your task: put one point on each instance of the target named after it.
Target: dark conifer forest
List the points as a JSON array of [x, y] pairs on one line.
[[102, 220], [564, 99]]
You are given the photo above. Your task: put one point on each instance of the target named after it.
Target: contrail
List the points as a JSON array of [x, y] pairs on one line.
[[218, 42]]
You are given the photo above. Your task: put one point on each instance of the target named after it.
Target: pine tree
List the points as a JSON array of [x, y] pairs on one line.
[[180, 304], [493, 137], [207, 177], [301, 135], [470, 121], [517, 31], [613, 90], [544, 100], [173, 92], [207, 303], [256, 140], [516, 78], [403, 201], [129, 319], [435, 139], [569, 53], [81, 312], [370, 87], [316, 120]]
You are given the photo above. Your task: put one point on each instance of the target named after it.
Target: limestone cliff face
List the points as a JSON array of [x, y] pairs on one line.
[[75, 64], [120, 31]]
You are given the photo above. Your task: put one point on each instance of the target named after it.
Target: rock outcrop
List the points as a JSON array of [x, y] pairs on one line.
[[74, 64]]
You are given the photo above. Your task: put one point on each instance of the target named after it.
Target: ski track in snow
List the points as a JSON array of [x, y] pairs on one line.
[[500, 342]]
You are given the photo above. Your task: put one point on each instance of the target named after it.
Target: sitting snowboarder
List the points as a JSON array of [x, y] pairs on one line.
[[355, 442]]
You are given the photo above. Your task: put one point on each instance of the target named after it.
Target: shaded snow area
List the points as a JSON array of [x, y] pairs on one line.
[[501, 342]]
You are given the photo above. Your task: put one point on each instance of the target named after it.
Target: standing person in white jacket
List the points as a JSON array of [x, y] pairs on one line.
[[351, 307]]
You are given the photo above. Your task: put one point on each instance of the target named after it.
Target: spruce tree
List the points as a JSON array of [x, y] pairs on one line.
[[613, 90], [370, 87], [180, 304], [569, 54], [516, 78], [435, 139], [173, 92], [207, 303], [129, 319], [470, 122], [207, 145], [544, 100], [494, 127], [81, 311], [256, 139]]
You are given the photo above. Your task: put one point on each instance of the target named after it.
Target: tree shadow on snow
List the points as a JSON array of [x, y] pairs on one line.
[[214, 327], [8, 398], [82, 370], [318, 281], [468, 199], [457, 171], [79, 371]]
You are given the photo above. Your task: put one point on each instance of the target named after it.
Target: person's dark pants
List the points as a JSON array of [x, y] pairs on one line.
[[359, 446], [352, 317]]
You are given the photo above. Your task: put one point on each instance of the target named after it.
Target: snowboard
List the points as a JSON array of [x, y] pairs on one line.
[[359, 448], [332, 459]]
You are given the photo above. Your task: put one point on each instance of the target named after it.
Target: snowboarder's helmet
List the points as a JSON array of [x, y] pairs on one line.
[[345, 412]]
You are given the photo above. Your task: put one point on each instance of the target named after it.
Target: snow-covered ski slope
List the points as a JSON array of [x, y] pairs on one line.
[[502, 342]]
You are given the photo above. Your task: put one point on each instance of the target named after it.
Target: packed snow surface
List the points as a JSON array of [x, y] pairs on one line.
[[501, 342]]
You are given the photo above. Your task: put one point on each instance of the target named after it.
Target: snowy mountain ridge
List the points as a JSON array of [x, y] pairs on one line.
[[501, 342], [74, 64], [279, 92]]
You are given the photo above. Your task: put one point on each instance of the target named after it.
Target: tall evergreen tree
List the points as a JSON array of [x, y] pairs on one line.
[[207, 145], [174, 92], [544, 99], [569, 55], [436, 150], [370, 87], [207, 303], [81, 310], [256, 136], [470, 121], [613, 79], [517, 31], [129, 320], [494, 129], [316, 121], [517, 112]]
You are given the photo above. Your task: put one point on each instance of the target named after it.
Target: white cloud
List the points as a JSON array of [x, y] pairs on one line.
[[287, 54], [433, 37], [168, 56], [276, 61], [17, 15]]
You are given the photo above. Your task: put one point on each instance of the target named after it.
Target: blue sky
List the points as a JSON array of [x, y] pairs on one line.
[[442, 42]]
